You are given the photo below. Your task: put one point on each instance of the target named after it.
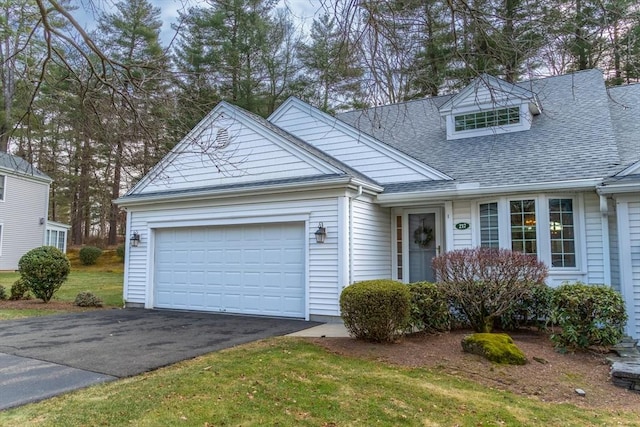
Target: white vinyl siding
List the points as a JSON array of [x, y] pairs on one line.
[[22, 214], [348, 148], [628, 216], [371, 242], [613, 245], [323, 289], [594, 241], [634, 255], [462, 239], [250, 156]]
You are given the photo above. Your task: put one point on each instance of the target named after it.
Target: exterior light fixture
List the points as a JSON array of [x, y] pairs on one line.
[[135, 239], [321, 233]]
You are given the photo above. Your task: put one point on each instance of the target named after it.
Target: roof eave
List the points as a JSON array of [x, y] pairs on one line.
[[213, 193], [427, 196], [21, 174]]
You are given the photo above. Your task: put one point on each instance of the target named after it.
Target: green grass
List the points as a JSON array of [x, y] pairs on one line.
[[288, 382], [104, 279]]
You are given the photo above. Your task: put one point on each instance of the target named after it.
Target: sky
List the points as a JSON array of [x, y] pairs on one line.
[[303, 11]]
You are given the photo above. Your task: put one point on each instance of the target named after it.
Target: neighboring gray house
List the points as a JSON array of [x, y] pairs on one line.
[[24, 200], [228, 221]]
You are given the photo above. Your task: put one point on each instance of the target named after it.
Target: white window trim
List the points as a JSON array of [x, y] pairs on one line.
[[542, 236], [4, 180], [525, 122], [1, 236]]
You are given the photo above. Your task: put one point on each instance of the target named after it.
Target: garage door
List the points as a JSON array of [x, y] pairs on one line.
[[248, 269]]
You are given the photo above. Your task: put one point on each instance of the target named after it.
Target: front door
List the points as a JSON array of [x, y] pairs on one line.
[[423, 245]]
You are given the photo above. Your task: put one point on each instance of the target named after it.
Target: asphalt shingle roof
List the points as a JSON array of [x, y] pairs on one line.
[[624, 103], [572, 139], [20, 166]]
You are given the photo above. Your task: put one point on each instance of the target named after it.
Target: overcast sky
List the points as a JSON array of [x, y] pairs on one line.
[[303, 11]]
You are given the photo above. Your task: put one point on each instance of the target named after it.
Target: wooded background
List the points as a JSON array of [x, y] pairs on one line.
[[96, 110]]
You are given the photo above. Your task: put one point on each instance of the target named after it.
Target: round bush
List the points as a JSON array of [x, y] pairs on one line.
[[19, 290], [44, 269], [89, 255], [87, 299], [587, 315], [3, 293], [376, 310], [429, 308]]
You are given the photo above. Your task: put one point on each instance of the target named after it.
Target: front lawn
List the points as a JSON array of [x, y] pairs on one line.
[[104, 279], [289, 382]]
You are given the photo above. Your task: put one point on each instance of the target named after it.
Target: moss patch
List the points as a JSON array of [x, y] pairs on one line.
[[498, 348]]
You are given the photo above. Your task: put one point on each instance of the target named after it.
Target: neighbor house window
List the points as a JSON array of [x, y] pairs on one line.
[[489, 237], [2, 181], [399, 245], [486, 119], [562, 233], [523, 226]]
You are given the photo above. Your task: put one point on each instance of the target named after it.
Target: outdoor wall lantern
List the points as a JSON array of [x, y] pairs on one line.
[[321, 233], [135, 239]]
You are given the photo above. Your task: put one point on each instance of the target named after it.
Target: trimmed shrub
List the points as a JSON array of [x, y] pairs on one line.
[[587, 315], [89, 255], [376, 310], [120, 252], [498, 348], [3, 293], [531, 310], [483, 283], [87, 299], [429, 308], [44, 269], [20, 290]]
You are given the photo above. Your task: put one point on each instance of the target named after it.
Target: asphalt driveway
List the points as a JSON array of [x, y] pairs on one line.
[[44, 356]]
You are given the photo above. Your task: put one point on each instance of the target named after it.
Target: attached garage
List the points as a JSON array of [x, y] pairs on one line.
[[245, 269]]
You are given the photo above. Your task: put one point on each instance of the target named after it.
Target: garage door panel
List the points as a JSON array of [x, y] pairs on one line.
[[255, 269]]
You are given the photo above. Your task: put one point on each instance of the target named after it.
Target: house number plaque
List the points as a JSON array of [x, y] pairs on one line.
[[462, 225]]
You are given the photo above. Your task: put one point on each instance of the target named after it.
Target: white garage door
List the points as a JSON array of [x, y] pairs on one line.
[[248, 269]]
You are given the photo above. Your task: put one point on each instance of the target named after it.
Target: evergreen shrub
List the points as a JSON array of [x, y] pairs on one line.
[[587, 315], [376, 310], [44, 269], [89, 255]]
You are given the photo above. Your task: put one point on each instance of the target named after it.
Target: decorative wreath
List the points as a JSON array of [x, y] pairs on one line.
[[423, 236]]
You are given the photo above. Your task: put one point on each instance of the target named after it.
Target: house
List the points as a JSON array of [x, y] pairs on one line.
[[275, 217], [24, 203]]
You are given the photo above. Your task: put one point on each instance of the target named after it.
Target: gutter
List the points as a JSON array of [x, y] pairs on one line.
[[466, 191], [607, 189]]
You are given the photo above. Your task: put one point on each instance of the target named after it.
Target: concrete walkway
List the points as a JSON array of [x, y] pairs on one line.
[[327, 330]]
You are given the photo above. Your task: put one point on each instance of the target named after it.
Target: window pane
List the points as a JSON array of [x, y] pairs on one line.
[[523, 226], [489, 225], [61, 240], [485, 119], [563, 245], [2, 179]]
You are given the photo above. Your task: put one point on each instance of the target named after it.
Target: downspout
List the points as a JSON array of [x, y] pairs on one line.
[[606, 254], [351, 262]]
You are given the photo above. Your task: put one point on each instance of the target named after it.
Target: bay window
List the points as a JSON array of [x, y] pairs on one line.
[[542, 226]]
